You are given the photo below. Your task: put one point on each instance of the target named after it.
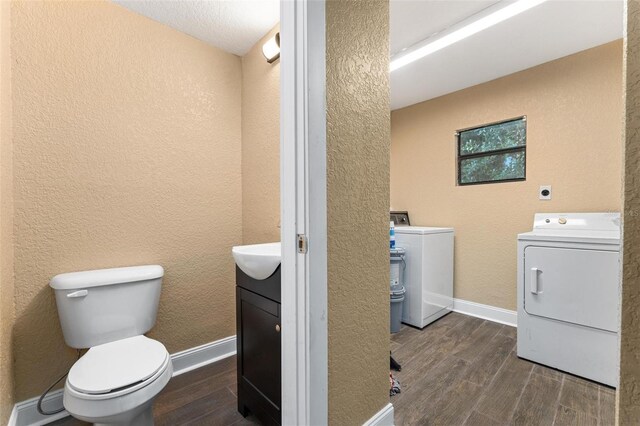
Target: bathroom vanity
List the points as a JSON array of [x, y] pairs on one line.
[[258, 340]]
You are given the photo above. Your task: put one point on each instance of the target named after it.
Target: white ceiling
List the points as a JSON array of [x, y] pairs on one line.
[[413, 21], [549, 31], [232, 25]]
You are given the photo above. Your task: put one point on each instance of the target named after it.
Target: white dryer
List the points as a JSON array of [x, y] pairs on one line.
[[428, 277], [568, 293]]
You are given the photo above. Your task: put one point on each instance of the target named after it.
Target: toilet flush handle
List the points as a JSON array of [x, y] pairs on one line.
[[79, 293]]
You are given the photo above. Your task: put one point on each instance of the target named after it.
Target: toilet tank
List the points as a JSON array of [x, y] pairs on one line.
[[106, 305]]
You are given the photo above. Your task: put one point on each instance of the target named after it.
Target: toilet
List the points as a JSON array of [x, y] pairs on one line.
[[108, 311]]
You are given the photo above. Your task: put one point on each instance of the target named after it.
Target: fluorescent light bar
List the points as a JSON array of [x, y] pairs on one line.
[[475, 27]]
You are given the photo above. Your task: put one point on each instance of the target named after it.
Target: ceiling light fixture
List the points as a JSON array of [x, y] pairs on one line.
[[271, 49], [474, 27]]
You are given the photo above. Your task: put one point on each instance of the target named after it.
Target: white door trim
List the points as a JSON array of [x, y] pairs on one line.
[[303, 211]]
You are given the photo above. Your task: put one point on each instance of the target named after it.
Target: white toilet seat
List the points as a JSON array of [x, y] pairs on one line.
[[119, 365], [110, 407]]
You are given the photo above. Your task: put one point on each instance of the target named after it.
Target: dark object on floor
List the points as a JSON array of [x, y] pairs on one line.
[[394, 364], [394, 385]]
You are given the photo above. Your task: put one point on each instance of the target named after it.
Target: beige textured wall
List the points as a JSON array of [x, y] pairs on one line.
[[357, 90], [127, 142], [628, 403], [260, 146], [573, 107], [7, 310]]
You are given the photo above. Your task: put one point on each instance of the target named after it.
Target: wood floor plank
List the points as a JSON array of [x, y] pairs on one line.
[[502, 395], [580, 395], [408, 334], [509, 331], [566, 416], [415, 404], [176, 398], [222, 366], [470, 348], [455, 404], [607, 414], [548, 372], [537, 405], [405, 335], [477, 419], [430, 336], [433, 345], [227, 415], [206, 405], [490, 359], [452, 319]]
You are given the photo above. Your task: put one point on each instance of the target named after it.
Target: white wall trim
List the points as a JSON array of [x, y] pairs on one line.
[[383, 417], [487, 312], [200, 356], [25, 413]]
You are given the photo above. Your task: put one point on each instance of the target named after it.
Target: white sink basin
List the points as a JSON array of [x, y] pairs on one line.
[[258, 261]]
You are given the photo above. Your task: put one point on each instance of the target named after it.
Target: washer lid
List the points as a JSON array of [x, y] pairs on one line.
[[420, 230], [116, 365]]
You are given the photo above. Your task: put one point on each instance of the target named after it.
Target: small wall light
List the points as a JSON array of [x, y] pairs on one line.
[[271, 49]]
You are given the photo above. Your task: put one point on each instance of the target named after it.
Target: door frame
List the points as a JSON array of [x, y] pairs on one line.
[[303, 212]]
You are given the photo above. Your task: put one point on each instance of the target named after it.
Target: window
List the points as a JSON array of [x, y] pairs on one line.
[[492, 153]]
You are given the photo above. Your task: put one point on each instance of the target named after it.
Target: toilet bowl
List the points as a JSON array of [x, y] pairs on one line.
[[116, 383], [108, 311]]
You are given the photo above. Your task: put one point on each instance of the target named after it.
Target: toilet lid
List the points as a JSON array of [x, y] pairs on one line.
[[117, 365]]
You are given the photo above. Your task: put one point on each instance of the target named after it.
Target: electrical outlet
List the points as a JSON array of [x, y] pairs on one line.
[[545, 192]]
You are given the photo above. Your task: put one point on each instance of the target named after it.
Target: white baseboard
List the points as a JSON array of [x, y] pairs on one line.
[[25, 413], [490, 313], [383, 417], [200, 356]]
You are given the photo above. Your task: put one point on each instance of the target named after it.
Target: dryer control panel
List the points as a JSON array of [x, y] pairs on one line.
[[578, 221]]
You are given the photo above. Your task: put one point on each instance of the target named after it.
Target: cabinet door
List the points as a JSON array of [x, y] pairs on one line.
[[259, 320], [573, 285]]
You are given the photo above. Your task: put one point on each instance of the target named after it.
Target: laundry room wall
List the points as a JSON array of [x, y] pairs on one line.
[[574, 111]]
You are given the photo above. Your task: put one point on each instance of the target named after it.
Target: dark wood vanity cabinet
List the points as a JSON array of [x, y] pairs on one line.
[[258, 340]]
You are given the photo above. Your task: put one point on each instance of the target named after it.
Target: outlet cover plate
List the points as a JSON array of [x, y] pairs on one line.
[[545, 192]]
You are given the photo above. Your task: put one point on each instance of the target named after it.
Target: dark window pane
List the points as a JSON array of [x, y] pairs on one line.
[[490, 138], [492, 167]]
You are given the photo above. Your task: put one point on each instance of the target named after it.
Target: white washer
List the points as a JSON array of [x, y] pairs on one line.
[[428, 277], [568, 293]]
